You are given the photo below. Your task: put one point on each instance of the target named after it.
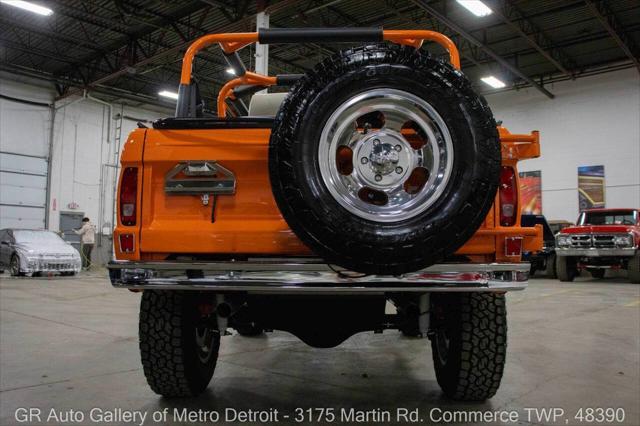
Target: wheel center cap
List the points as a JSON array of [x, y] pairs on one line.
[[383, 157]]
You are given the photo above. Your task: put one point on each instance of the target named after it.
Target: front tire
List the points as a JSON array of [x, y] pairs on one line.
[[566, 268], [550, 267], [14, 266], [469, 344], [178, 351], [633, 269]]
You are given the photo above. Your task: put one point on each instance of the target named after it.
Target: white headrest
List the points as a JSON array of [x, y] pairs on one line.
[[266, 103]]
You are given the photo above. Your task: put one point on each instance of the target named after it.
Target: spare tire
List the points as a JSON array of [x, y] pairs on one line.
[[383, 159]]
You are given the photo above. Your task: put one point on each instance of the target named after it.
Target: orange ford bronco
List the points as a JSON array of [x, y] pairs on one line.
[[381, 176]]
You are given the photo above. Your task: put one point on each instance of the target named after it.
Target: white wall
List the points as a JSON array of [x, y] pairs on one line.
[[592, 121], [81, 145], [81, 149]]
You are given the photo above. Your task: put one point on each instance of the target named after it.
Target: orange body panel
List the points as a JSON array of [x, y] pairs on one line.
[[249, 222]]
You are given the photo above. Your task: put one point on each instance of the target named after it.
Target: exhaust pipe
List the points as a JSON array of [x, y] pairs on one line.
[[224, 310]]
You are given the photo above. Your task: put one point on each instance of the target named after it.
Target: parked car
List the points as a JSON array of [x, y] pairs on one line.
[[25, 251], [544, 259], [558, 225], [382, 177], [601, 239]]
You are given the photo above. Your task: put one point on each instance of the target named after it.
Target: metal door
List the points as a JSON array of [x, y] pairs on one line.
[[68, 222], [23, 190]]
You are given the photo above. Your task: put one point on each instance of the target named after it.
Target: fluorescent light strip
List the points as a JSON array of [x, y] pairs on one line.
[[476, 7], [168, 94], [40, 10], [493, 82]]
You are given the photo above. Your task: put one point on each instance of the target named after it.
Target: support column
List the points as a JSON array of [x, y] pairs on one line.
[[262, 50]]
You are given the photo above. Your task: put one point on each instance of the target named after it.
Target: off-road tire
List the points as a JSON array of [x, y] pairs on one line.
[[471, 367], [597, 273], [633, 269], [168, 349], [345, 239], [550, 267], [566, 268], [249, 330]]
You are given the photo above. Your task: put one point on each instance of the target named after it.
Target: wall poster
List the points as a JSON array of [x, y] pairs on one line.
[[531, 192], [590, 187]]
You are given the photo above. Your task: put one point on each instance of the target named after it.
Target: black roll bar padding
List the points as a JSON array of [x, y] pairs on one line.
[[189, 102], [184, 99], [234, 61], [319, 35], [287, 79]]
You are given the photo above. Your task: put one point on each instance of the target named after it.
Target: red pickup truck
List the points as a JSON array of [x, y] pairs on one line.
[[601, 239]]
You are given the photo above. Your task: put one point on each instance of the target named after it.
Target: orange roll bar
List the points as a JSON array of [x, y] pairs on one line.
[[416, 37], [228, 42], [232, 42]]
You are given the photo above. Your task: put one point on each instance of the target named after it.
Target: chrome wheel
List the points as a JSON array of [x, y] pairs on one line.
[[205, 341], [385, 155]]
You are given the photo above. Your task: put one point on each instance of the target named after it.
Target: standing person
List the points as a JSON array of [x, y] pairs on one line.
[[87, 237]]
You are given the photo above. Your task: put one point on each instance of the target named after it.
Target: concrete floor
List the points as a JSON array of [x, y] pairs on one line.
[[71, 344]]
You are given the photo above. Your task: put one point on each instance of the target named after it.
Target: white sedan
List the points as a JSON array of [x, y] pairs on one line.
[[25, 251]]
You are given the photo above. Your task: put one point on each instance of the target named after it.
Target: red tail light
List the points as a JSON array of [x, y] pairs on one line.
[[126, 243], [508, 197], [128, 196]]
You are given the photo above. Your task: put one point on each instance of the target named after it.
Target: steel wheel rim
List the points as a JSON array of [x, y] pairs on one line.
[[375, 166]]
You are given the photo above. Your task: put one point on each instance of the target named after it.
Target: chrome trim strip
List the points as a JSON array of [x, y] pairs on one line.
[[306, 277], [595, 252], [296, 264]]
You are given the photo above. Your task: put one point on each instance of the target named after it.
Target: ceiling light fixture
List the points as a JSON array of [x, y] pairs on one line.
[[231, 71], [476, 7], [493, 82], [168, 94], [40, 10]]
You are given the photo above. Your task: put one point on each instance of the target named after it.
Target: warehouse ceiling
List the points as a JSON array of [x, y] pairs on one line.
[[132, 49]]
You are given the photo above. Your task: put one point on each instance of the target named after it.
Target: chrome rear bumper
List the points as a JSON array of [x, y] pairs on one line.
[[295, 276]]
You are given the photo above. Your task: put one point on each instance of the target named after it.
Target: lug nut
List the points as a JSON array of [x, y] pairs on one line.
[[398, 148], [376, 141], [398, 170], [378, 178], [364, 160]]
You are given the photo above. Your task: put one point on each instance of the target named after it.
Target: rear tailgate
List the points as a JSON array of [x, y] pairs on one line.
[[247, 221]]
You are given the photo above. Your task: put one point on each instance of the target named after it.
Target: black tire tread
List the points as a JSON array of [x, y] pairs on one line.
[[564, 270], [483, 337], [633, 269], [162, 345], [550, 267]]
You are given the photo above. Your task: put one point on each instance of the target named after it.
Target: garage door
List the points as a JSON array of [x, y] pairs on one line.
[[23, 190]]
